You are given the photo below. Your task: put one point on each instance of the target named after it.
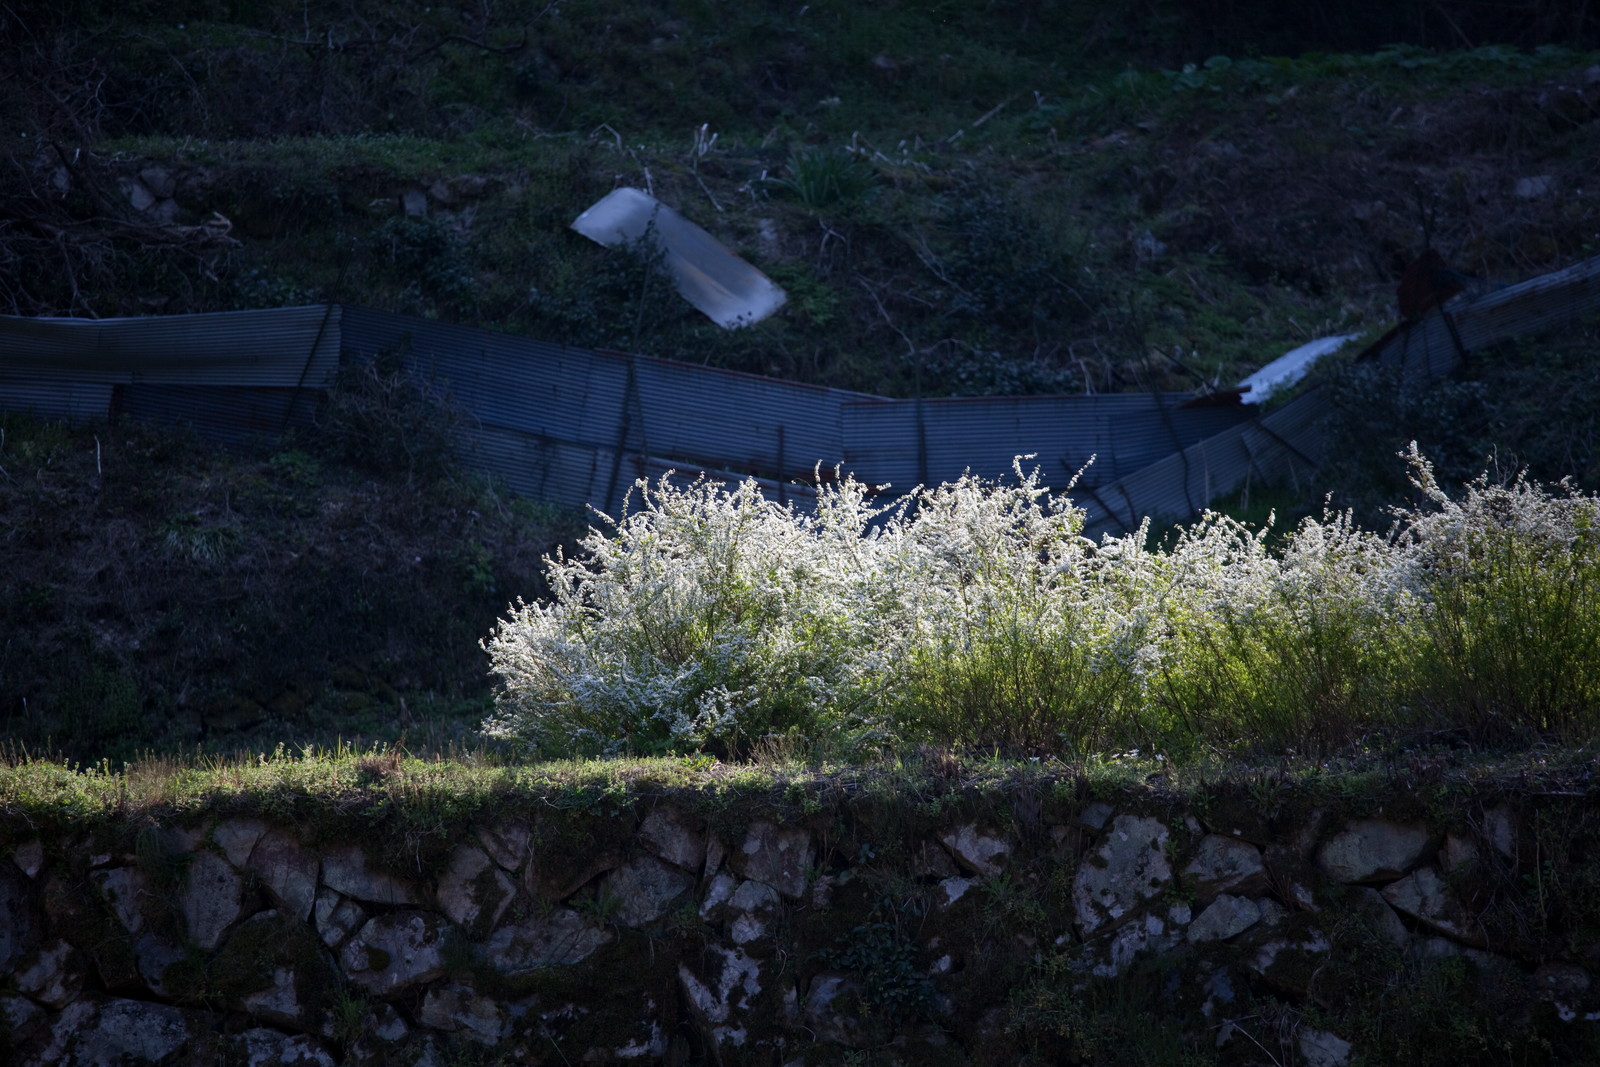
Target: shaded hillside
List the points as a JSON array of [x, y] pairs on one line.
[[1022, 197]]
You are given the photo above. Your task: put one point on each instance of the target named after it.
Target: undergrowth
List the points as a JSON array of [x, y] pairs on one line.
[[157, 593]]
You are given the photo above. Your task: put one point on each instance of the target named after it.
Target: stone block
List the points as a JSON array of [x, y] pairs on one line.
[[20, 1017], [1226, 917], [982, 854], [288, 871], [19, 923], [336, 917], [1368, 904], [29, 857], [508, 844], [211, 900], [474, 893], [1319, 1048], [123, 889], [53, 976], [780, 857], [644, 889], [1223, 864], [1426, 897], [671, 835], [237, 838], [559, 939], [1127, 868], [1373, 850], [396, 952], [128, 1033], [347, 869], [260, 1047], [458, 1008]]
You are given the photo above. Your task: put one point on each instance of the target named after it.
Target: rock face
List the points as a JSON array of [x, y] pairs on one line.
[[771, 941]]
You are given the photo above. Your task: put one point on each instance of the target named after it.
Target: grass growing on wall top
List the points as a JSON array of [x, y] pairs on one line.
[[349, 792]]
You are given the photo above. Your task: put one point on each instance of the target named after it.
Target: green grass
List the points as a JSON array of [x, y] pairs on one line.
[[347, 787]]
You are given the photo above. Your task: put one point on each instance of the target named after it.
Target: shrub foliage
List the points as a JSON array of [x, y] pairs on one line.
[[977, 615]]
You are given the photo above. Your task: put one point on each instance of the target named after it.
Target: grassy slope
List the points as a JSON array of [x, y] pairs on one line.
[[1054, 203]]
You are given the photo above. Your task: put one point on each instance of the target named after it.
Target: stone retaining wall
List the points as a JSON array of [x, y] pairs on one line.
[[665, 934]]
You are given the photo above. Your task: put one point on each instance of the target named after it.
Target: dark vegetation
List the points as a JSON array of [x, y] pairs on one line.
[[1011, 197], [159, 593]]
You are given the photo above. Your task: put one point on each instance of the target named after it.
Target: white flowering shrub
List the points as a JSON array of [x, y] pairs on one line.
[[1287, 644], [978, 615], [707, 617]]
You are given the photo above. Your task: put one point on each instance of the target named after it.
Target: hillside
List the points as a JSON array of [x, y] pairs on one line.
[[1015, 197]]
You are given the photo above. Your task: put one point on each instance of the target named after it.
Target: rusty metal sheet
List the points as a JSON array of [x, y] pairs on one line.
[[1433, 346], [1283, 445]]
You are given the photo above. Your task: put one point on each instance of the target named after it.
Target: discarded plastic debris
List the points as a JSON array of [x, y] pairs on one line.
[[728, 290], [1289, 368]]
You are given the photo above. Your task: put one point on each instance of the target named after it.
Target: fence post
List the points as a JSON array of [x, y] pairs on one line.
[[783, 490], [294, 398], [630, 400]]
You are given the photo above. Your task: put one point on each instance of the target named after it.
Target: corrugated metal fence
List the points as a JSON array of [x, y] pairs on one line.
[[232, 375], [576, 426]]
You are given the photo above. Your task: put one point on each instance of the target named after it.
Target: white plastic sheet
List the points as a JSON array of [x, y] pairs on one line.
[[1289, 368], [728, 290]]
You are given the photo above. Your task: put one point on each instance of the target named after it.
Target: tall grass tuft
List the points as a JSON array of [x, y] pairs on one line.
[[1010, 637], [1263, 649], [1508, 648], [822, 177]]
